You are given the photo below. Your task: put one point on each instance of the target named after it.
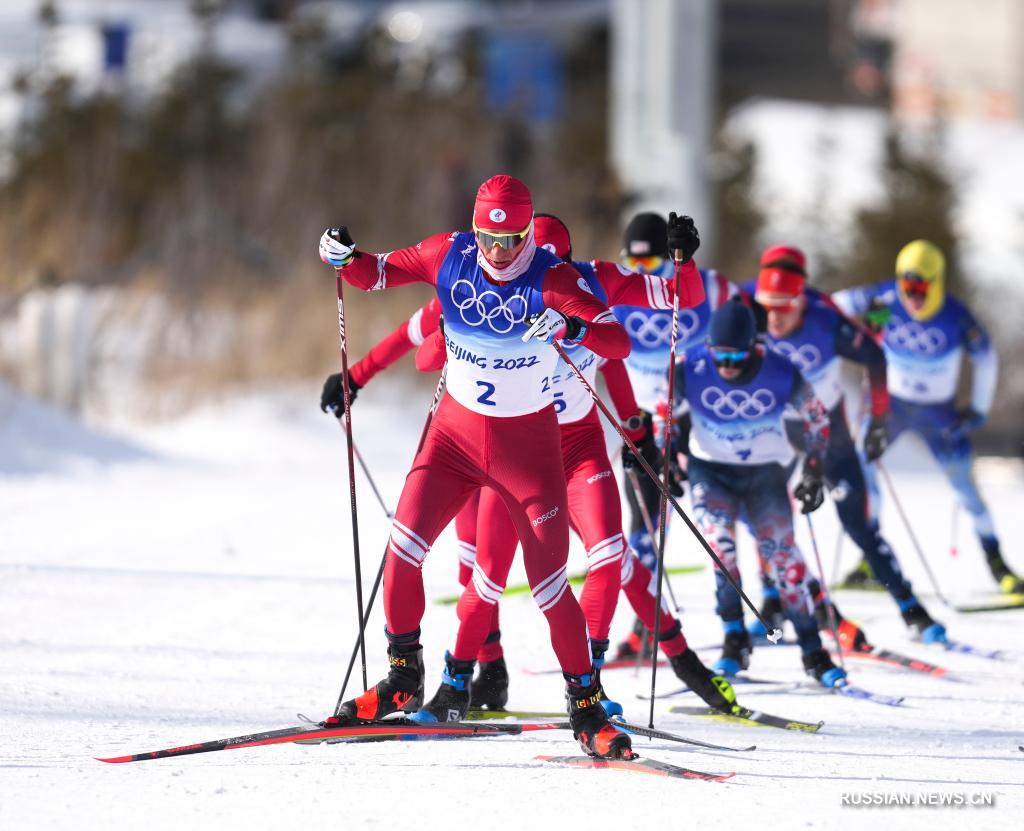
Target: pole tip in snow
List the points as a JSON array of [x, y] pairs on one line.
[[775, 636]]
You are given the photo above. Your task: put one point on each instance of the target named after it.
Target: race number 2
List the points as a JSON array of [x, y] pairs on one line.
[[486, 396]]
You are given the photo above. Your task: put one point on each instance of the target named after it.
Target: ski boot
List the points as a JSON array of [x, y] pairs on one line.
[[771, 611], [597, 652], [851, 636], [451, 701], [638, 643], [489, 690], [402, 690], [862, 578], [921, 623], [716, 691], [1009, 583], [590, 724], [736, 650], [819, 666]]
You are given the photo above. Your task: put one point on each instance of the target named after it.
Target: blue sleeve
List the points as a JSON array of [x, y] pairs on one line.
[[856, 301], [978, 346]]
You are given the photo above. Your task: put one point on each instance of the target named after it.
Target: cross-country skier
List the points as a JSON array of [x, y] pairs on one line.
[[925, 333], [644, 250], [594, 507], [504, 302], [738, 393], [815, 335]]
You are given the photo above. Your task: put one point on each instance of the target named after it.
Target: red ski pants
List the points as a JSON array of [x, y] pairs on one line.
[[516, 458], [595, 513]]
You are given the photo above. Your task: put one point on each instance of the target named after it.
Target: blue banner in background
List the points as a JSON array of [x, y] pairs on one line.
[[523, 72], [116, 37]]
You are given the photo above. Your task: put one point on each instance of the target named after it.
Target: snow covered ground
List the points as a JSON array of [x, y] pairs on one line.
[[194, 580]]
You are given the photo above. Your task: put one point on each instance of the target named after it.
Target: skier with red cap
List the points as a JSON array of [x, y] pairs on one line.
[[504, 302], [594, 504], [815, 336]]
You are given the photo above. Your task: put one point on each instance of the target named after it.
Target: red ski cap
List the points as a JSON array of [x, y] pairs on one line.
[[503, 203], [790, 254], [774, 284], [551, 234]]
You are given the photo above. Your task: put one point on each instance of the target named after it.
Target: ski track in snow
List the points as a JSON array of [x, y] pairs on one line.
[[204, 588]]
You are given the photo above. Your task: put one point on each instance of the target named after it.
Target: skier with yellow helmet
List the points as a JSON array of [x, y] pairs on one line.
[[925, 332]]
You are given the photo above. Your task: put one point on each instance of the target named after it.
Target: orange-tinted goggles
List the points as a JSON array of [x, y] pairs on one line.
[[911, 283], [648, 265]]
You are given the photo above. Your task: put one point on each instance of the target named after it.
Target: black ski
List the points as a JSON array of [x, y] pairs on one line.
[[754, 718], [637, 765], [401, 729], [651, 733]]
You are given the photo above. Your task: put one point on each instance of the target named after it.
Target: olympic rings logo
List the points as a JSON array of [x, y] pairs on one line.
[[501, 316], [651, 331], [804, 358], [914, 337], [738, 403]]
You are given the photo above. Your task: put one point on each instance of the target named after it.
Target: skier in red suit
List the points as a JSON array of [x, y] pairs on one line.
[[594, 503], [504, 302]]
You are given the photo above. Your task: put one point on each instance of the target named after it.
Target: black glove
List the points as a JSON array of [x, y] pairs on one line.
[[877, 438], [967, 421], [683, 239], [810, 492], [877, 315], [676, 476], [333, 395], [645, 444]]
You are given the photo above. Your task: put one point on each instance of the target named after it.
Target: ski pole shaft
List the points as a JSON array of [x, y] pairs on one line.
[[438, 392], [774, 635], [649, 525], [832, 622], [954, 531], [366, 472], [911, 534], [347, 397]]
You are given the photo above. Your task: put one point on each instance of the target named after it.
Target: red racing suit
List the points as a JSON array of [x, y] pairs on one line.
[[495, 409]]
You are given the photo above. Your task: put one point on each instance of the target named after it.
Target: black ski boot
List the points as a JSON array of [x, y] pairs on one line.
[[851, 636], [819, 666], [1009, 583], [451, 701], [638, 643], [861, 578], [922, 623], [716, 691], [402, 690], [590, 724], [771, 611], [735, 653], [489, 690]]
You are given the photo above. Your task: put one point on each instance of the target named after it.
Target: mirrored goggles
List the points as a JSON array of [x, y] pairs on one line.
[[912, 283], [726, 357], [778, 303], [648, 265], [488, 239]]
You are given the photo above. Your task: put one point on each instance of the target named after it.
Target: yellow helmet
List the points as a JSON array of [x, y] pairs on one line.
[[921, 272]]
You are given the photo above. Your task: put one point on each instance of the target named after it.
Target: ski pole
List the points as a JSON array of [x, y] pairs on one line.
[[380, 570], [366, 472], [347, 398], [774, 635], [913, 536], [954, 531], [837, 556], [666, 470], [832, 622], [649, 525]]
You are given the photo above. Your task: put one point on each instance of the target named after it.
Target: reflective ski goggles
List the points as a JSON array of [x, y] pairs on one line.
[[488, 239], [728, 358], [913, 283], [648, 265], [778, 302]]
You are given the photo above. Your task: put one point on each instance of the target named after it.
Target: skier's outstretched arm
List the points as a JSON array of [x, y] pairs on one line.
[[393, 346], [375, 272], [594, 326]]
